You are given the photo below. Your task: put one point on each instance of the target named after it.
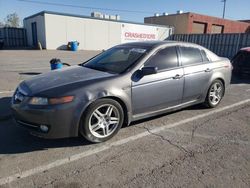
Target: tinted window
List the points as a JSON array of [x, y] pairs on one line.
[[204, 55], [247, 60], [190, 56], [242, 59], [164, 59]]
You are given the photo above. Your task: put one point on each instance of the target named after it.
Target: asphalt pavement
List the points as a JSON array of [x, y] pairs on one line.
[[193, 147]]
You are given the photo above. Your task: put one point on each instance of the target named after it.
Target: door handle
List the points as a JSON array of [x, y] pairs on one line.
[[208, 70], [177, 76]]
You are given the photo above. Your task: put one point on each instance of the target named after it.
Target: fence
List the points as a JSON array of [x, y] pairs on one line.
[[225, 45], [13, 37]]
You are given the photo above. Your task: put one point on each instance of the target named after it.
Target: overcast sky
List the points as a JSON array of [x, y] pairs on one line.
[[236, 9]]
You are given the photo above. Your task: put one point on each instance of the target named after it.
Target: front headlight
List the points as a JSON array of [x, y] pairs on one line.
[[39, 101], [47, 101]]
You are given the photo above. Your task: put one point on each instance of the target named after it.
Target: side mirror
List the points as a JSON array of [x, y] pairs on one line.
[[149, 70]]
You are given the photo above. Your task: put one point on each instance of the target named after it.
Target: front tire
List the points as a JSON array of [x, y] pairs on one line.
[[215, 94], [102, 120]]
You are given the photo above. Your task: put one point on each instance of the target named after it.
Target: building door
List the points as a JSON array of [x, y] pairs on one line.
[[34, 33]]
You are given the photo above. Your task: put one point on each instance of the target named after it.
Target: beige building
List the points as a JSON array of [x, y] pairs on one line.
[[54, 31]]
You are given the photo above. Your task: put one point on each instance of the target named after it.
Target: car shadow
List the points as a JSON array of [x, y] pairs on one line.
[[30, 73], [234, 80], [5, 111], [195, 107], [15, 139], [240, 79]]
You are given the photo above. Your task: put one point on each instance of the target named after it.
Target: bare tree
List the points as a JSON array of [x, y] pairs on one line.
[[12, 20], [1, 24]]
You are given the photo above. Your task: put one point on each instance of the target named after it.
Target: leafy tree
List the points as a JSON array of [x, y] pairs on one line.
[[12, 20]]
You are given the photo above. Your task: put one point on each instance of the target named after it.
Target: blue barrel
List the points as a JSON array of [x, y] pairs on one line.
[[55, 66], [74, 45]]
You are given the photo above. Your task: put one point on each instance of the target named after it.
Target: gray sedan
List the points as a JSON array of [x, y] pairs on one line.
[[125, 83]]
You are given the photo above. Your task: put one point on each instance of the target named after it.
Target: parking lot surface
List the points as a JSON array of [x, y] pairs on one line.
[[193, 147]]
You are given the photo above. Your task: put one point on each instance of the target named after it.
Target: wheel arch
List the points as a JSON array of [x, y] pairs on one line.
[[207, 101], [223, 82], [117, 99], [124, 107]]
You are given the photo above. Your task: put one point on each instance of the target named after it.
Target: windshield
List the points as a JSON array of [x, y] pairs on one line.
[[117, 59]]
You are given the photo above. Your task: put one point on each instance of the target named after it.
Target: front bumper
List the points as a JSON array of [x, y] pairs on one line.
[[61, 120]]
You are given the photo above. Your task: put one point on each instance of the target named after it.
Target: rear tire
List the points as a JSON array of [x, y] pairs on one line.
[[102, 120], [215, 94]]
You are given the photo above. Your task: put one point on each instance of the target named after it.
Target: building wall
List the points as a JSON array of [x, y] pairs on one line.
[[164, 33], [91, 34], [180, 22], [41, 37], [101, 34], [188, 23], [55, 30], [229, 26]]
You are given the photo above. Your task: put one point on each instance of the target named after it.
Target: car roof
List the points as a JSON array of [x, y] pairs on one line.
[[156, 44], [153, 44]]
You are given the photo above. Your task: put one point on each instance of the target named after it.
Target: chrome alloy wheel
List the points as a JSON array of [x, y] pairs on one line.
[[216, 93], [104, 121]]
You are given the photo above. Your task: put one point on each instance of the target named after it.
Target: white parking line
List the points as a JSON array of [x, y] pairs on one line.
[[239, 85], [3, 92], [107, 146]]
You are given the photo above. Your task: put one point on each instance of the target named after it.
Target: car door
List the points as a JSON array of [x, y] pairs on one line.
[[161, 90], [197, 72]]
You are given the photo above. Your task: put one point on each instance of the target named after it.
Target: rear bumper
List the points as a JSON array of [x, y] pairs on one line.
[[59, 119]]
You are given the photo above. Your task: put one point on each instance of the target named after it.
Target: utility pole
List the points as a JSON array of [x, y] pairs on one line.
[[224, 8]]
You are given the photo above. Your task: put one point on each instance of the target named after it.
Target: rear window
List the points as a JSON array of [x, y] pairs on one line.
[[204, 55], [212, 56], [190, 56]]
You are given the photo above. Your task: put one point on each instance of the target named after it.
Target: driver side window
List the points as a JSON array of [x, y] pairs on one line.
[[164, 59]]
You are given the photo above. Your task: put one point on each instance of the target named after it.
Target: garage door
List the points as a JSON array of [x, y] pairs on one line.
[[199, 27], [217, 29]]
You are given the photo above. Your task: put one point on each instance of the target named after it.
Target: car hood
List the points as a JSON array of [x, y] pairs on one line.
[[66, 76]]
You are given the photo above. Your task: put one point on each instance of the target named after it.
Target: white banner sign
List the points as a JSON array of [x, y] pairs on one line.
[[133, 33]]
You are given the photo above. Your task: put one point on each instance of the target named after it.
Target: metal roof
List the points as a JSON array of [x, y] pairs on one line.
[[42, 13]]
